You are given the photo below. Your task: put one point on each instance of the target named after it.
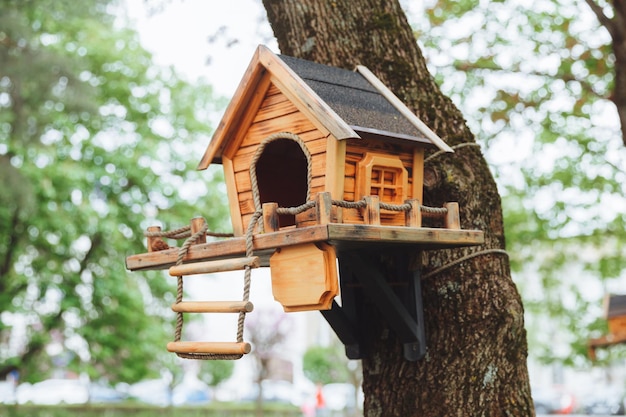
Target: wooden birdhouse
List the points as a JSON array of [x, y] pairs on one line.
[[615, 315], [324, 173], [343, 131]]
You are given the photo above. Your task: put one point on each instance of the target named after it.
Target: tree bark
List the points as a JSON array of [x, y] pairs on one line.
[[476, 342]]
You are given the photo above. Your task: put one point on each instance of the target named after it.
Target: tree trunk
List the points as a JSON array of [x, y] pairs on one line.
[[476, 343]]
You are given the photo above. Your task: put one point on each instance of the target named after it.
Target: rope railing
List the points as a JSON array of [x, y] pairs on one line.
[[295, 210], [350, 204], [360, 204], [185, 231]]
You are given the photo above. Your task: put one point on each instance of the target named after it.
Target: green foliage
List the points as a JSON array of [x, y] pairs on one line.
[[534, 81], [325, 364], [94, 145], [216, 372]]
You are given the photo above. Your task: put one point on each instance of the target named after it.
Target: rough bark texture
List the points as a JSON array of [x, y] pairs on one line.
[[476, 359]]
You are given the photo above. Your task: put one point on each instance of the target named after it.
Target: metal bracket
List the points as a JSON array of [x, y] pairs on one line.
[[403, 311], [344, 327]]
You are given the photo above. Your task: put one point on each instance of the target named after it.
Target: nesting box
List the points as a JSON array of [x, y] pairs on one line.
[[345, 133]]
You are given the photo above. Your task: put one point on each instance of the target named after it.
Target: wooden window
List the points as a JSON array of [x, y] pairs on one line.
[[384, 176]]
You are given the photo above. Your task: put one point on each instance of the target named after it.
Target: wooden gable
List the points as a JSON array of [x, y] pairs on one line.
[[277, 113], [264, 70]]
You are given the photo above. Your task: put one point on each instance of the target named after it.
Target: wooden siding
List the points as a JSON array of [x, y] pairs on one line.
[[617, 325], [276, 114]]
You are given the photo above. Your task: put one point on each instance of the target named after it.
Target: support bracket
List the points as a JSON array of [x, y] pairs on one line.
[[362, 275]]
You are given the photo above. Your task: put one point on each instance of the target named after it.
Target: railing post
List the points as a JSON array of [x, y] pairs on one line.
[[452, 221], [323, 208], [413, 217], [271, 222], [197, 223], [154, 242], [371, 212]]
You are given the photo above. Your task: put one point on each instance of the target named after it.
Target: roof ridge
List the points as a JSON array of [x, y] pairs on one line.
[[373, 91]]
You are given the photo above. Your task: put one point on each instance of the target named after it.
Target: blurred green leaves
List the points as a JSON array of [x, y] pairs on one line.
[[320, 364], [534, 81], [96, 143]]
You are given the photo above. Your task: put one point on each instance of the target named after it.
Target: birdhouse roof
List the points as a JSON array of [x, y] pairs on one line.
[[615, 306], [348, 104]]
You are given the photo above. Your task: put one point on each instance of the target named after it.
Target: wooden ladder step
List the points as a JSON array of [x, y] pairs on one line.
[[218, 348], [210, 267], [213, 307]]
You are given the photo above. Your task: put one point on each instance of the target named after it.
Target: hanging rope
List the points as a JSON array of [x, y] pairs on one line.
[[185, 232], [247, 273], [472, 255], [455, 147], [463, 259]]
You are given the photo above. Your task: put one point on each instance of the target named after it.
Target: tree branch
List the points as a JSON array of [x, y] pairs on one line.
[[602, 17], [467, 66]]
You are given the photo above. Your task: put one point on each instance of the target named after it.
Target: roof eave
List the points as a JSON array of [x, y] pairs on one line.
[[366, 132], [403, 109], [304, 97], [251, 78]]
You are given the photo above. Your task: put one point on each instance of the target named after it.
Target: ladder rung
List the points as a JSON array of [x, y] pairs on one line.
[[210, 267], [218, 348], [213, 307]]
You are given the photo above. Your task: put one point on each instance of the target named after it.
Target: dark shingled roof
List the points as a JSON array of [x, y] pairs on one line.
[[353, 98], [617, 306]]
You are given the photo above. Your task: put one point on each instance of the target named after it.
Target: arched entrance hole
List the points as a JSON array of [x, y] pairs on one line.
[[282, 171]]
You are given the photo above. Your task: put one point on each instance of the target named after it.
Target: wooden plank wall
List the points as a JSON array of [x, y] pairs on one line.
[[276, 114]]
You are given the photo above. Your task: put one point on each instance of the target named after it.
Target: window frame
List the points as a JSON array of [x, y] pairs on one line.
[[369, 163]]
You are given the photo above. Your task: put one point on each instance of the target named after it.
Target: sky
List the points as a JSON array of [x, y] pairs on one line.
[[203, 39], [181, 32]]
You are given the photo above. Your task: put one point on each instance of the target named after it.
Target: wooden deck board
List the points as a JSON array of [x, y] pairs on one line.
[[608, 340], [425, 237], [342, 236]]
